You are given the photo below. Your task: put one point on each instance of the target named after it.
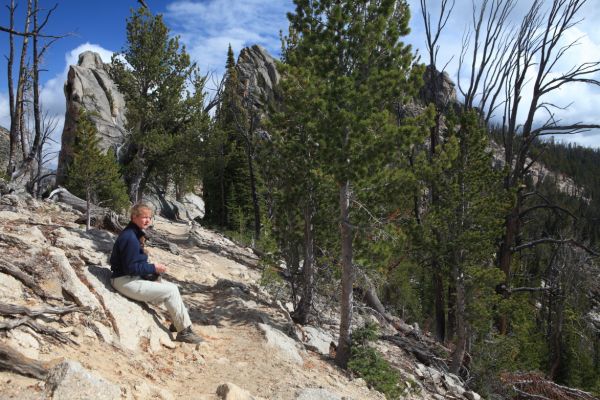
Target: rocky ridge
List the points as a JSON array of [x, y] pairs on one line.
[[61, 318]]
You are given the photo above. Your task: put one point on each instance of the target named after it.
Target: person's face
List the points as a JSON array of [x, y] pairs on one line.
[[143, 219]]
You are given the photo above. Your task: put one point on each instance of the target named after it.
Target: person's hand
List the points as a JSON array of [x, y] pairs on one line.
[[160, 268]]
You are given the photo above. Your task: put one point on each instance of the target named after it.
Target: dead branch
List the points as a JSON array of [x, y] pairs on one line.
[[418, 350], [547, 206], [29, 34], [14, 361], [17, 273], [39, 328], [554, 241], [563, 129], [528, 289], [13, 309], [535, 386]]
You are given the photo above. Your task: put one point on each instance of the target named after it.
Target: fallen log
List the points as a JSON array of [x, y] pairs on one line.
[[421, 352], [99, 216], [13, 361]]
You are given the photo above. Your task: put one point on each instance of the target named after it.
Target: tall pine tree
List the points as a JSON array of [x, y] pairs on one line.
[[163, 118], [353, 50]]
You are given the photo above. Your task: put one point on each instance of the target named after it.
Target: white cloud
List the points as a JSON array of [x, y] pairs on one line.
[[208, 27]]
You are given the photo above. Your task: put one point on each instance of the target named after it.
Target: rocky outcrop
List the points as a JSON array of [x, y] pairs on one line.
[[258, 75], [90, 87], [437, 88]]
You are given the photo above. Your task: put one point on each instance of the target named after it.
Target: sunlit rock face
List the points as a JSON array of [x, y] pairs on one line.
[[90, 87]]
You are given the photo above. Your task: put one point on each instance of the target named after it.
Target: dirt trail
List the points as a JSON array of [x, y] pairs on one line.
[[235, 350]]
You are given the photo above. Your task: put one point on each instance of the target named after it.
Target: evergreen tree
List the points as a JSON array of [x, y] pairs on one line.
[[164, 119], [296, 180], [225, 179], [93, 175], [232, 181], [353, 50]]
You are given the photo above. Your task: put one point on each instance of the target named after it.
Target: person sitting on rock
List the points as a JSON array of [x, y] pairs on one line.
[[135, 278]]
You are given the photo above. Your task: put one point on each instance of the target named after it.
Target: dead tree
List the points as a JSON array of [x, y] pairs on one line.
[[502, 62], [17, 131], [16, 102]]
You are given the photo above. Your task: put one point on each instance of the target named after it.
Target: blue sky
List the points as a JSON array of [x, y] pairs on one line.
[[206, 27]]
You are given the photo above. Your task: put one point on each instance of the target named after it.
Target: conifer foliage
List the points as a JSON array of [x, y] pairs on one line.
[[230, 176], [93, 175], [164, 96], [353, 52]]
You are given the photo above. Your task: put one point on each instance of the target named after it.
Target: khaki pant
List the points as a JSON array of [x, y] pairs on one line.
[[155, 292]]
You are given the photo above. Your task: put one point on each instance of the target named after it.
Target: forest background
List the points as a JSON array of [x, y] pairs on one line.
[[359, 173]]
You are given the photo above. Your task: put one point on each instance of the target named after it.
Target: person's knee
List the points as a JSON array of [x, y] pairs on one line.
[[172, 288]]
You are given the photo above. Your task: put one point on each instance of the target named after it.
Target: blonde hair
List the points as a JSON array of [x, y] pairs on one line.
[[138, 208]]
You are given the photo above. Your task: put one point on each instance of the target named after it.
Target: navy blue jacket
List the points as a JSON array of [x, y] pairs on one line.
[[127, 256]]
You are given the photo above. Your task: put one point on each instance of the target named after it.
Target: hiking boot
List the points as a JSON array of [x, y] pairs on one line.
[[188, 336]]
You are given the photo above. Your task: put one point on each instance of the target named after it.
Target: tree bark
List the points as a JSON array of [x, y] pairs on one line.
[[461, 322], [12, 360], [343, 349], [440, 312], [16, 105], [255, 204], [302, 312]]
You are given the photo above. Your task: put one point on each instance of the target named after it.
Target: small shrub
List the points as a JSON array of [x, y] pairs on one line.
[[371, 366]]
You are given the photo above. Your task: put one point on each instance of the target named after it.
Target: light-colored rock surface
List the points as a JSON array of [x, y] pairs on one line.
[[317, 394], [11, 290], [70, 381], [284, 346], [89, 87], [317, 340], [258, 75], [230, 391], [71, 282]]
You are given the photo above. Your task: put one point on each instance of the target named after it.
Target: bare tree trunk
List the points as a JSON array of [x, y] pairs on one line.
[[36, 89], [222, 213], [461, 322], [87, 209], [17, 104], [11, 92], [439, 311], [451, 304], [343, 350], [505, 257], [302, 312], [255, 203]]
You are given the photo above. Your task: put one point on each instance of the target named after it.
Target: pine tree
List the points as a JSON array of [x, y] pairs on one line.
[[231, 180], [165, 120], [353, 50], [93, 175]]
